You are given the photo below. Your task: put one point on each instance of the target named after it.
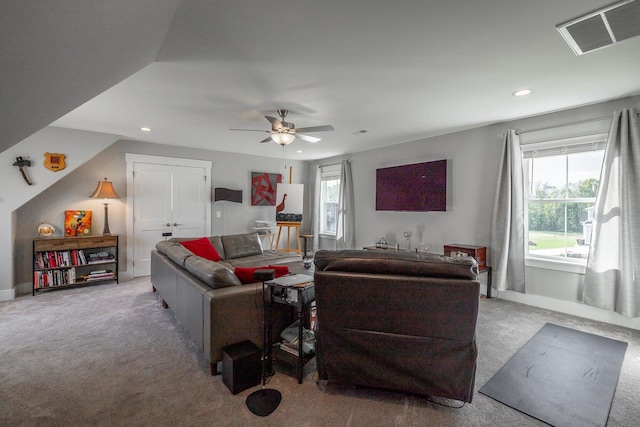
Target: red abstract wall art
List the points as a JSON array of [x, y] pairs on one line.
[[263, 188]]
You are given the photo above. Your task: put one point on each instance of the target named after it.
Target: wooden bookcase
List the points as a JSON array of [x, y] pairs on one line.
[[65, 262]]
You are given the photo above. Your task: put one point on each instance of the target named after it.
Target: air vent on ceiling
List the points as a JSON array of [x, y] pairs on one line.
[[602, 28]]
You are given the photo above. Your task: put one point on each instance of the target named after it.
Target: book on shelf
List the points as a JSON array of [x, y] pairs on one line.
[[97, 257], [289, 348], [290, 338], [98, 275], [51, 278], [55, 259], [81, 257]]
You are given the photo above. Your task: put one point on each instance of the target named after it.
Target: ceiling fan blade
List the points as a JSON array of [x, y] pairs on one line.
[[276, 124], [316, 129], [251, 130], [266, 140], [307, 138]]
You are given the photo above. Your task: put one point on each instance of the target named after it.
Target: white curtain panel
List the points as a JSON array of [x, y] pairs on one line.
[[612, 279], [315, 221], [507, 222], [346, 227]]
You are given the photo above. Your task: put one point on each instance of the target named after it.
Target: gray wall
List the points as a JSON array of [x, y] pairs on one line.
[[72, 192], [472, 166]]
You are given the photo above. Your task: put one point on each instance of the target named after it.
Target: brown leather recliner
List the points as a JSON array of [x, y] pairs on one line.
[[400, 321]]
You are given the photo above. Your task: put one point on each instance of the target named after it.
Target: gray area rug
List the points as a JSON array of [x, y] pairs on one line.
[[561, 376]]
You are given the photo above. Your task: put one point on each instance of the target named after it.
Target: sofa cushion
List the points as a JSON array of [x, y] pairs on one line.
[[245, 274], [202, 247], [176, 252], [216, 241], [214, 274], [241, 245]]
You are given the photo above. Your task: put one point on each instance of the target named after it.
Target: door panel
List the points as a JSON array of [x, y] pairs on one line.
[[152, 212], [189, 198]]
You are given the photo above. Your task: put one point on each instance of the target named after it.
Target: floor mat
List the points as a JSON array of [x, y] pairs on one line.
[[561, 376]]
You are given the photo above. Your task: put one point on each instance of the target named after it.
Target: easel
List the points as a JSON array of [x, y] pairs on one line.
[[289, 225]]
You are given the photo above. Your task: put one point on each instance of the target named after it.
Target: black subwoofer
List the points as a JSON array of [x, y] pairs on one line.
[[241, 368]]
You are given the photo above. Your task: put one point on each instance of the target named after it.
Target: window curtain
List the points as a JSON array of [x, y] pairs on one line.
[[612, 279], [507, 222], [315, 222], [345, 231]]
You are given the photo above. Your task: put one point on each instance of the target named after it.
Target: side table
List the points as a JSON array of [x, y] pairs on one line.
[[298, 296]]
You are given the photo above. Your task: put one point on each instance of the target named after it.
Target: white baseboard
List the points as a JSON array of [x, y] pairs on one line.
[[7, 294], [572, 308], [125, 276]]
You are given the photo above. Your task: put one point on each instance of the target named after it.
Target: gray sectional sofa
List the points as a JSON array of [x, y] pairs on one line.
[[207, 298]]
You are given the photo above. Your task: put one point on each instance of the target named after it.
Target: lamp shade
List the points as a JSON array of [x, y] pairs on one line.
[[283, 138], [105, 190]]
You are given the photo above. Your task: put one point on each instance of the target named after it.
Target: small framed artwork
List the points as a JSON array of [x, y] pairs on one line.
[[77, 223]]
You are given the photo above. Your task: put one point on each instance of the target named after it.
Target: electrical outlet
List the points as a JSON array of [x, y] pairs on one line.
[[218, 214]]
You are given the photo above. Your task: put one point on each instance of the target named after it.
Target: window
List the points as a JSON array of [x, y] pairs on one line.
[[329, 191], [561, 181]]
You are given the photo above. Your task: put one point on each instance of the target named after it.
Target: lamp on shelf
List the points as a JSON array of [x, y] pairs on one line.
[[105, 191]]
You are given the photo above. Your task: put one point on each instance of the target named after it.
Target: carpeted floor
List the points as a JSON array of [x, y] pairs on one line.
[[111, 355]]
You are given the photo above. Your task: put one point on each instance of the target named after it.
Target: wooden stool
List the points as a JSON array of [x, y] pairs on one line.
[[306, 238]]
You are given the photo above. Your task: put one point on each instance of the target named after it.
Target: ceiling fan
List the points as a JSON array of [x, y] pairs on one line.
[[284, 133]]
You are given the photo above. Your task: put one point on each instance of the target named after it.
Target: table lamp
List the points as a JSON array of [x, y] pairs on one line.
[[105, 191]]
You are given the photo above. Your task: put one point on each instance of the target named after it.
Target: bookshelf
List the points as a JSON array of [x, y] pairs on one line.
[[65, 262]]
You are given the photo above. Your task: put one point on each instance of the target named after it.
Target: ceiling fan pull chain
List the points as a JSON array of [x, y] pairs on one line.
[[284, 159]]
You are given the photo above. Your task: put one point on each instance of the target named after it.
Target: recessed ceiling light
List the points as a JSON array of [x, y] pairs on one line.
[[299, 151], [144, 129], [522, 92]]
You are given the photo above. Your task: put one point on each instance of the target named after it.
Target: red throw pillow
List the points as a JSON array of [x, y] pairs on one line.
[[245, 274], [202, 247]]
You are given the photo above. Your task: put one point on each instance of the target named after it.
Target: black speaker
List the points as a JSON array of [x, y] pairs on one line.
[[241, 367], [264, 274]]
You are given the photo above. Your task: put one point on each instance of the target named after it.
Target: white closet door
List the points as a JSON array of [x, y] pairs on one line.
[[168, 201]]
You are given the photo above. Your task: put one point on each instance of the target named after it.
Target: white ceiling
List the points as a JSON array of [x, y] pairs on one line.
[[402, 70]]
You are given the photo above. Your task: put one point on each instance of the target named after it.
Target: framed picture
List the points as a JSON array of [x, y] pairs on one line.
[[77, 223], [263, 188]]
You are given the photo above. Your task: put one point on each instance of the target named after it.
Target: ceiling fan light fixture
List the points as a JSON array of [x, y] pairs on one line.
[[283, 138]]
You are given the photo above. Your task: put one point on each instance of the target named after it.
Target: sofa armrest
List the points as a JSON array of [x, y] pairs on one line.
[[236, 314]]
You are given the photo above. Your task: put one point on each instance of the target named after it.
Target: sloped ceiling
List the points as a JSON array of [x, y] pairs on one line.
[[56, 55], [401, 70]]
